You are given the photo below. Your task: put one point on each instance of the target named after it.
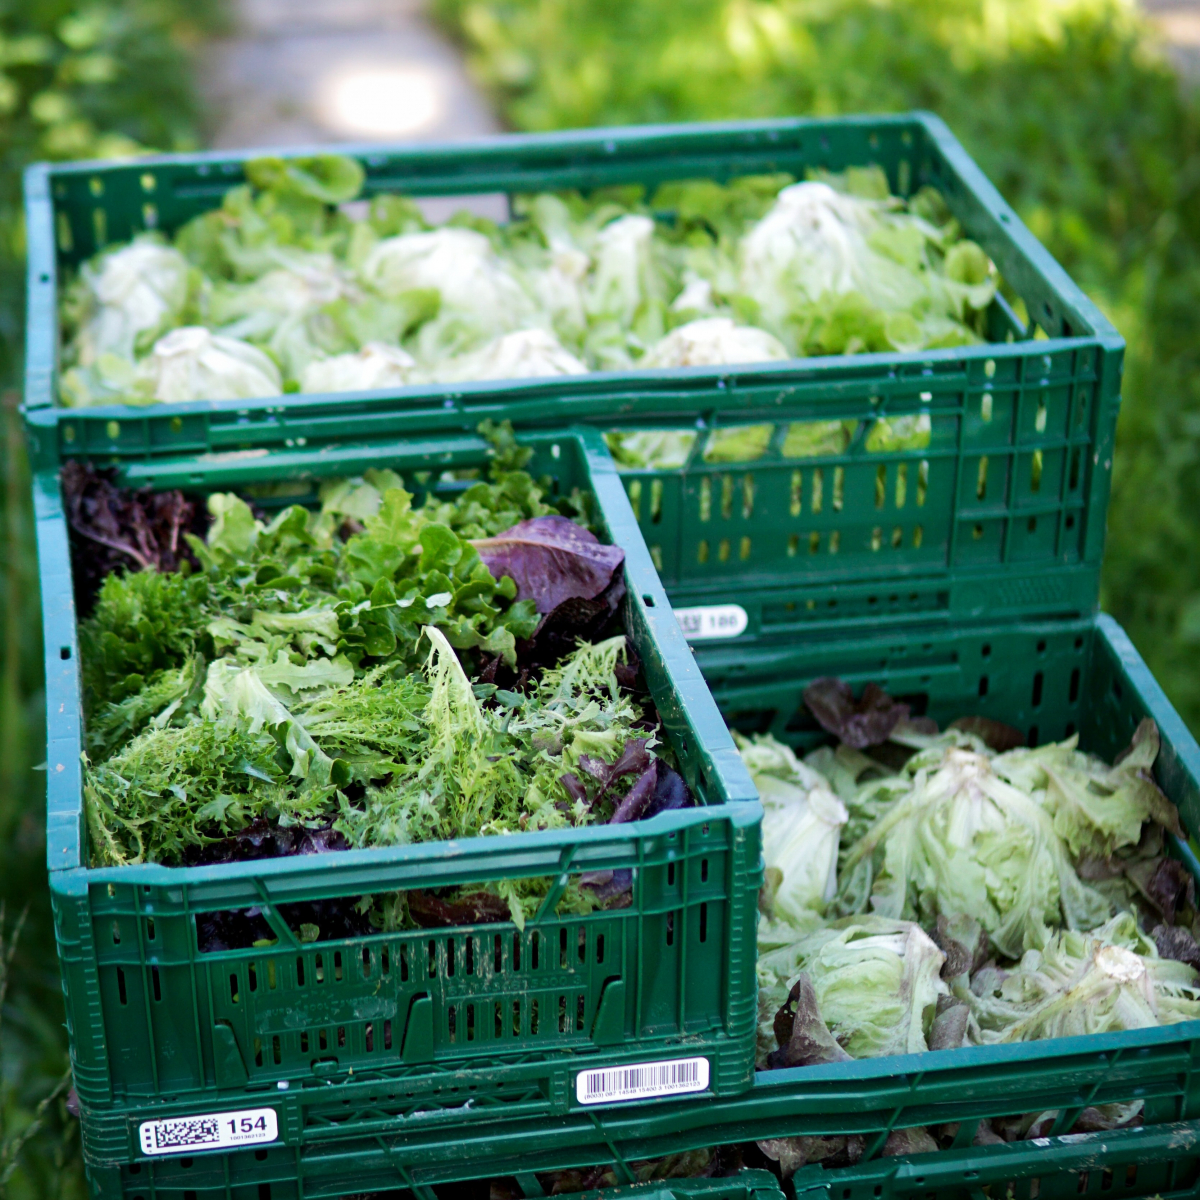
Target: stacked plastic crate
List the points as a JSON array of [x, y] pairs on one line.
[[962, 571]]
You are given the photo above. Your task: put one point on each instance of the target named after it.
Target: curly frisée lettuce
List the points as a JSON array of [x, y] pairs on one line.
[[295, 289], [369, 673]]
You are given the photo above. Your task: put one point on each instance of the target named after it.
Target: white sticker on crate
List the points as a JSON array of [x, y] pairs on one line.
[[712, 621], [642, 1081], [213, 1131]]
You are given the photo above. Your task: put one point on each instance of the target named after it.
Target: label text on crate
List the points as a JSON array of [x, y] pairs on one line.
[[642, 1081], [712, 621], [215, 1131]]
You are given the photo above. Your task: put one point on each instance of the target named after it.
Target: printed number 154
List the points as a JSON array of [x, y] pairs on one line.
[[247, 1125]]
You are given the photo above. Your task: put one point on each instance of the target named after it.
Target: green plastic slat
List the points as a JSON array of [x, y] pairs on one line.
[[446, 1021]]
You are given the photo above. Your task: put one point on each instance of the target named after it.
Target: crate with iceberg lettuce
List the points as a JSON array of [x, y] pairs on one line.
[[219, 301], [347, 832], [894, 1054]]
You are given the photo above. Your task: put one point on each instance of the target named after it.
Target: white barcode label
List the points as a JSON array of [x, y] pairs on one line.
[[216, 1131], [712, 621], [642, 1081]]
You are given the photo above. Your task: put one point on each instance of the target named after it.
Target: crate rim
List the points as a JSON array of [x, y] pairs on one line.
[[42, 273], [601, 136], [740, 814], [1063, 1154]]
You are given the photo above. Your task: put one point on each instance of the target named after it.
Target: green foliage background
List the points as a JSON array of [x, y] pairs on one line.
[[77, 80], [1066, 104]]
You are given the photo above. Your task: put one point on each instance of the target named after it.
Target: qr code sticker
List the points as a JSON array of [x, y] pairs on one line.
[[212, 1131], [195, 1131]]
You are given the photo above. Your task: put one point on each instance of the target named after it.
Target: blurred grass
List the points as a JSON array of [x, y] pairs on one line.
[[77, 80], [1066, 104]]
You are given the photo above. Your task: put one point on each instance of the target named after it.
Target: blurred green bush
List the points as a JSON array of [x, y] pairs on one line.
[[77, 80], [1066, 104]]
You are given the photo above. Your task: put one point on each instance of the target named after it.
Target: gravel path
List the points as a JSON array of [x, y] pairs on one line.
[[304, 72], [1179, 23]]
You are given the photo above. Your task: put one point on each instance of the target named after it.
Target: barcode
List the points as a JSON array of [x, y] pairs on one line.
[[642, 1081], [213, 1131]]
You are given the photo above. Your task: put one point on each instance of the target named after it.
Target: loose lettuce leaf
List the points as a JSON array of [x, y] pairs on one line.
[[327, 178], [551, 559], [868, 721], [658, 449]]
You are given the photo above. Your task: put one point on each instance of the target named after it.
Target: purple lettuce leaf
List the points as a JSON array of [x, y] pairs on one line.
[[551, 559], [862, 723]]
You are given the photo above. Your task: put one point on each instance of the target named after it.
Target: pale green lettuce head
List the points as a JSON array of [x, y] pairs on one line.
[[802, 819], [1083, 983], [193, 364], [963, 841], [877, 982]]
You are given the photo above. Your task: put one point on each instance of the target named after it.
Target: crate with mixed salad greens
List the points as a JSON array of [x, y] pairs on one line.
[[212, 302], [382, 766]]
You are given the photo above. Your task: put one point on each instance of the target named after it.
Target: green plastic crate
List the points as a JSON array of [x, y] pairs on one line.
[[1002, 513], [1162, 1161], [445, 1022], [745, 1185], [74, 209], [1058, 676]]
